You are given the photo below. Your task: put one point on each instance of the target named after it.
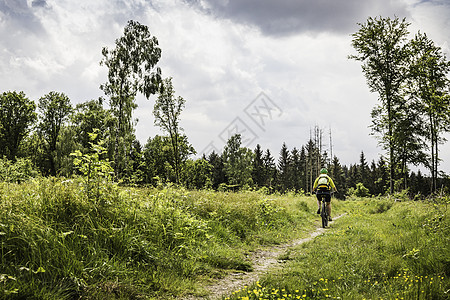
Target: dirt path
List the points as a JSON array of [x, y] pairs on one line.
[[262, 260]]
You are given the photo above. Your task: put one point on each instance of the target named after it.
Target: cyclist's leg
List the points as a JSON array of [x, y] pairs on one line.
[[328, 200], [318, 196]]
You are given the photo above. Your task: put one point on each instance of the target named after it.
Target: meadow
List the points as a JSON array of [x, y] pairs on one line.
[[66, 239], [62, 239], [381, 249]]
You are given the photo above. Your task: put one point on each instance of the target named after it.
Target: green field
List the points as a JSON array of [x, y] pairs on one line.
[[59, 241]]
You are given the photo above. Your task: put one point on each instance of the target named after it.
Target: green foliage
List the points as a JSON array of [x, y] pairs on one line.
[[359, 191], [54, 109], [96, 170], [380, 44], [167, 112], [88, 116], [131, 69], [238, 162], [19, 171], [428, 86], [17, 114], [196, 174], [158, 158]]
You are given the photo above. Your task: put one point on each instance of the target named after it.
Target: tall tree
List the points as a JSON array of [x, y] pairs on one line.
[[258, 167], [131, 69], [270, 170], [284, 168], [17, 114], [337, 173], [167, 112], [237, 162], [380, 44], [363, 170], [296, 169], [218, 173], [303, 163], [428, 85], [54, 110]]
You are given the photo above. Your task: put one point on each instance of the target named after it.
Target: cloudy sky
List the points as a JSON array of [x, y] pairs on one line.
[[270, 70]]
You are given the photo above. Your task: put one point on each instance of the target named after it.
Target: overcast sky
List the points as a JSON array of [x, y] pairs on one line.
[[270, 70]]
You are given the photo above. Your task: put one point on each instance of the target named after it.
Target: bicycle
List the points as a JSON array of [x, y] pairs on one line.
[[323, 208]]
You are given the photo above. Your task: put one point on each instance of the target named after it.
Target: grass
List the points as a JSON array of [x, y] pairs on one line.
[[56, 242], [133, 243], [381, 250]]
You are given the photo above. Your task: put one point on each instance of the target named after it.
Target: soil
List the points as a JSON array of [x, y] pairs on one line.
[[262, 260]]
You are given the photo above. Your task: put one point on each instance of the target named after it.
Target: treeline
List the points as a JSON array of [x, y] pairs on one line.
[[294, 170], [44, 139], [97, 138]]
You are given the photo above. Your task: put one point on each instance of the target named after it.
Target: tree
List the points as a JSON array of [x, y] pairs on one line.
[[157, 158], [303, 172], [381, 46], [197, 174], [131, 69], [96, 169], [167, 112], [363, 170], [237, 162], [54, 110], [428, 85], [156, 154], [337, 174], [296, 169], [218, 173], [89, 116], [284, 168], [381, 177], [258, 167], [17, 114], [270, 169]]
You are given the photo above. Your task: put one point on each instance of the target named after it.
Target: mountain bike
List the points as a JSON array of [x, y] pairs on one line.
[[323, 209]]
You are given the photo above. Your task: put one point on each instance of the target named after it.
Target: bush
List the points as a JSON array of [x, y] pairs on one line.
[[19, 171], [359, 191]]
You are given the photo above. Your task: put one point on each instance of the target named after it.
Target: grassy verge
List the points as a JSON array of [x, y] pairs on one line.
[[381, 250], [130, 243]]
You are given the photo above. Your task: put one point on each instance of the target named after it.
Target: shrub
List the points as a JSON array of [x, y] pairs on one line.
[[359, 191], [19, 171]]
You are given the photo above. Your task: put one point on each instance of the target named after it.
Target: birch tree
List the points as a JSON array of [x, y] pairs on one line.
[[380, 43]]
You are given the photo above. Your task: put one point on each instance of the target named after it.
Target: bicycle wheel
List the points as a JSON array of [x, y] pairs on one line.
[[324, 215]]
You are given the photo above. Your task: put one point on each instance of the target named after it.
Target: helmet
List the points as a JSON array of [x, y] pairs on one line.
[[323, 171]]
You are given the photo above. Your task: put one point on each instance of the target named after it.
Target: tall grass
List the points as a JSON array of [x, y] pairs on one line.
[[132, 243], [381, 250]]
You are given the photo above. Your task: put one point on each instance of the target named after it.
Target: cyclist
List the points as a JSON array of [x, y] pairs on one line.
[[323, 186]]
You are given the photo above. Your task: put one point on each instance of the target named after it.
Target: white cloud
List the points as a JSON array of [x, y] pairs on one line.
[[220, 59]]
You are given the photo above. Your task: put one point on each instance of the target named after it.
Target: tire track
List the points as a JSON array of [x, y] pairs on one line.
[[261, 260]]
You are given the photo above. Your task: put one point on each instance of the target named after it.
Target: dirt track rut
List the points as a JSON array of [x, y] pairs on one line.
[[262, 260]]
